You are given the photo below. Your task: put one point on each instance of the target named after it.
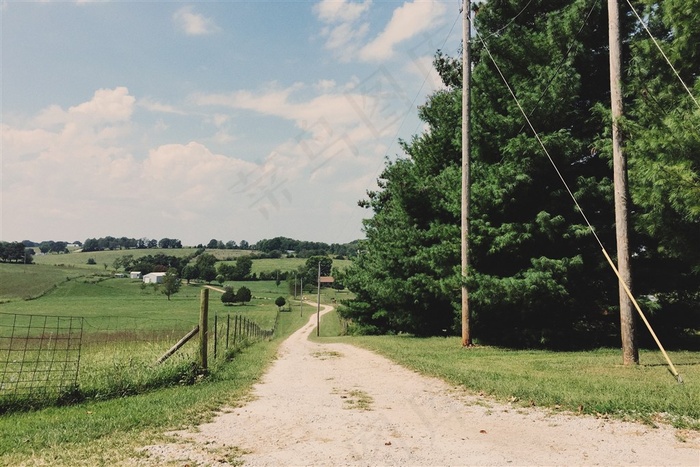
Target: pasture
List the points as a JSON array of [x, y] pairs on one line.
[[126, 324], [24, 282], [79, 259]]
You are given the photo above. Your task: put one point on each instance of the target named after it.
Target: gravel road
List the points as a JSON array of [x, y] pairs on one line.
[[335, 404]]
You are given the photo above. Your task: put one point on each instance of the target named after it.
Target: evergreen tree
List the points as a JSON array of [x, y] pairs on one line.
[[663, 128]]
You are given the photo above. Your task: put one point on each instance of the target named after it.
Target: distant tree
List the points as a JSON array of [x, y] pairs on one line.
[[277, 277], [244, 295], [171, 283], [213, 243], [280, 302], [208, 273], [189, 272], [89, 245], [310, 268], [228, 297], [227, 270], [123, 262], [220, 279], [243, 267], [91, 261], [231, 245], [205, 267], [153, 243], [244, 245]]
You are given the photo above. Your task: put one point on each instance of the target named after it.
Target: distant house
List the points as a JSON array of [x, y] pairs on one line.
[[154, 278], [326, 280], [135, 275]]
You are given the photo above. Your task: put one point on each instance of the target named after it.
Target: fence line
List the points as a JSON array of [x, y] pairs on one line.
[[243, 328], [40, 354], [45, 358]]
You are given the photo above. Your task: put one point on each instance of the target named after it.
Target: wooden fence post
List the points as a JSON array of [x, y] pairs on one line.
[[216, 334], [203, 330]]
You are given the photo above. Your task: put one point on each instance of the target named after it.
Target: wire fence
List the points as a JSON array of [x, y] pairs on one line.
[[45, 359], [232, 331], [40, 355]]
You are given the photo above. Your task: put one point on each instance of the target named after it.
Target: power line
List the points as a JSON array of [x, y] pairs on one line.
[[539, 140], [664, 55]]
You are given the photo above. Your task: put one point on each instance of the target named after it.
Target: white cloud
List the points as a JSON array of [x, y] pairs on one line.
[[344, 30], [77, 165], [406, 22], [194, 24], [154, 106], [332, 11], [331, 112]]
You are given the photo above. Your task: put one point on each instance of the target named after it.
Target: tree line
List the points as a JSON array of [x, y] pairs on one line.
[[16, 252], [125, 243], [537, 278], [306, 249]]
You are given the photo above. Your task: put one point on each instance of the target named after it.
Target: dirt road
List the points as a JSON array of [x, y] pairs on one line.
[[334, 404]]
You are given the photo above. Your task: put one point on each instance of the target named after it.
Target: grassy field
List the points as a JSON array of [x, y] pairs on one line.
[[102, 258], [23, 282], [126, 327], [79, 259], [290, 264]]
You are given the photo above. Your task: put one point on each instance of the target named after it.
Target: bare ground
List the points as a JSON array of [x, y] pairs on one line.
[[335, 404]]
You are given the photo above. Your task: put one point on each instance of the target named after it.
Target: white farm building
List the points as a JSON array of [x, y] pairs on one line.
[[153, 278], [135, 275]]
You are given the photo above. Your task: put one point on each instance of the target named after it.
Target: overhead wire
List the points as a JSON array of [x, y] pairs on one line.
[[656, 43], [563, 60]]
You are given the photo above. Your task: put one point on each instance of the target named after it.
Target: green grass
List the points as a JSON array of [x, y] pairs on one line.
[[587, 382], [269, 265], [127, 327], [110, 432], [23, 282], [79, 258]]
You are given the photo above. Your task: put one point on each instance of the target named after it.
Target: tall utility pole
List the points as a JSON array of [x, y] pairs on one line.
[[466, 154], [318, 302], [630, 353]]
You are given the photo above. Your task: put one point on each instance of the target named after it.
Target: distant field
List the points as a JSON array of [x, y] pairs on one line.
[[290, 264], [222, 255], [102, 258], [19, 281], [107, 298], [79, 259]]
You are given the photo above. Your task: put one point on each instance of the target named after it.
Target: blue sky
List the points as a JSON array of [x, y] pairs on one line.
[[199, 120]]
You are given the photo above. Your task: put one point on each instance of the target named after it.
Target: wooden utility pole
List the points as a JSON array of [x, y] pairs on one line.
[[318, 302], [630, 353], [466, 103]]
